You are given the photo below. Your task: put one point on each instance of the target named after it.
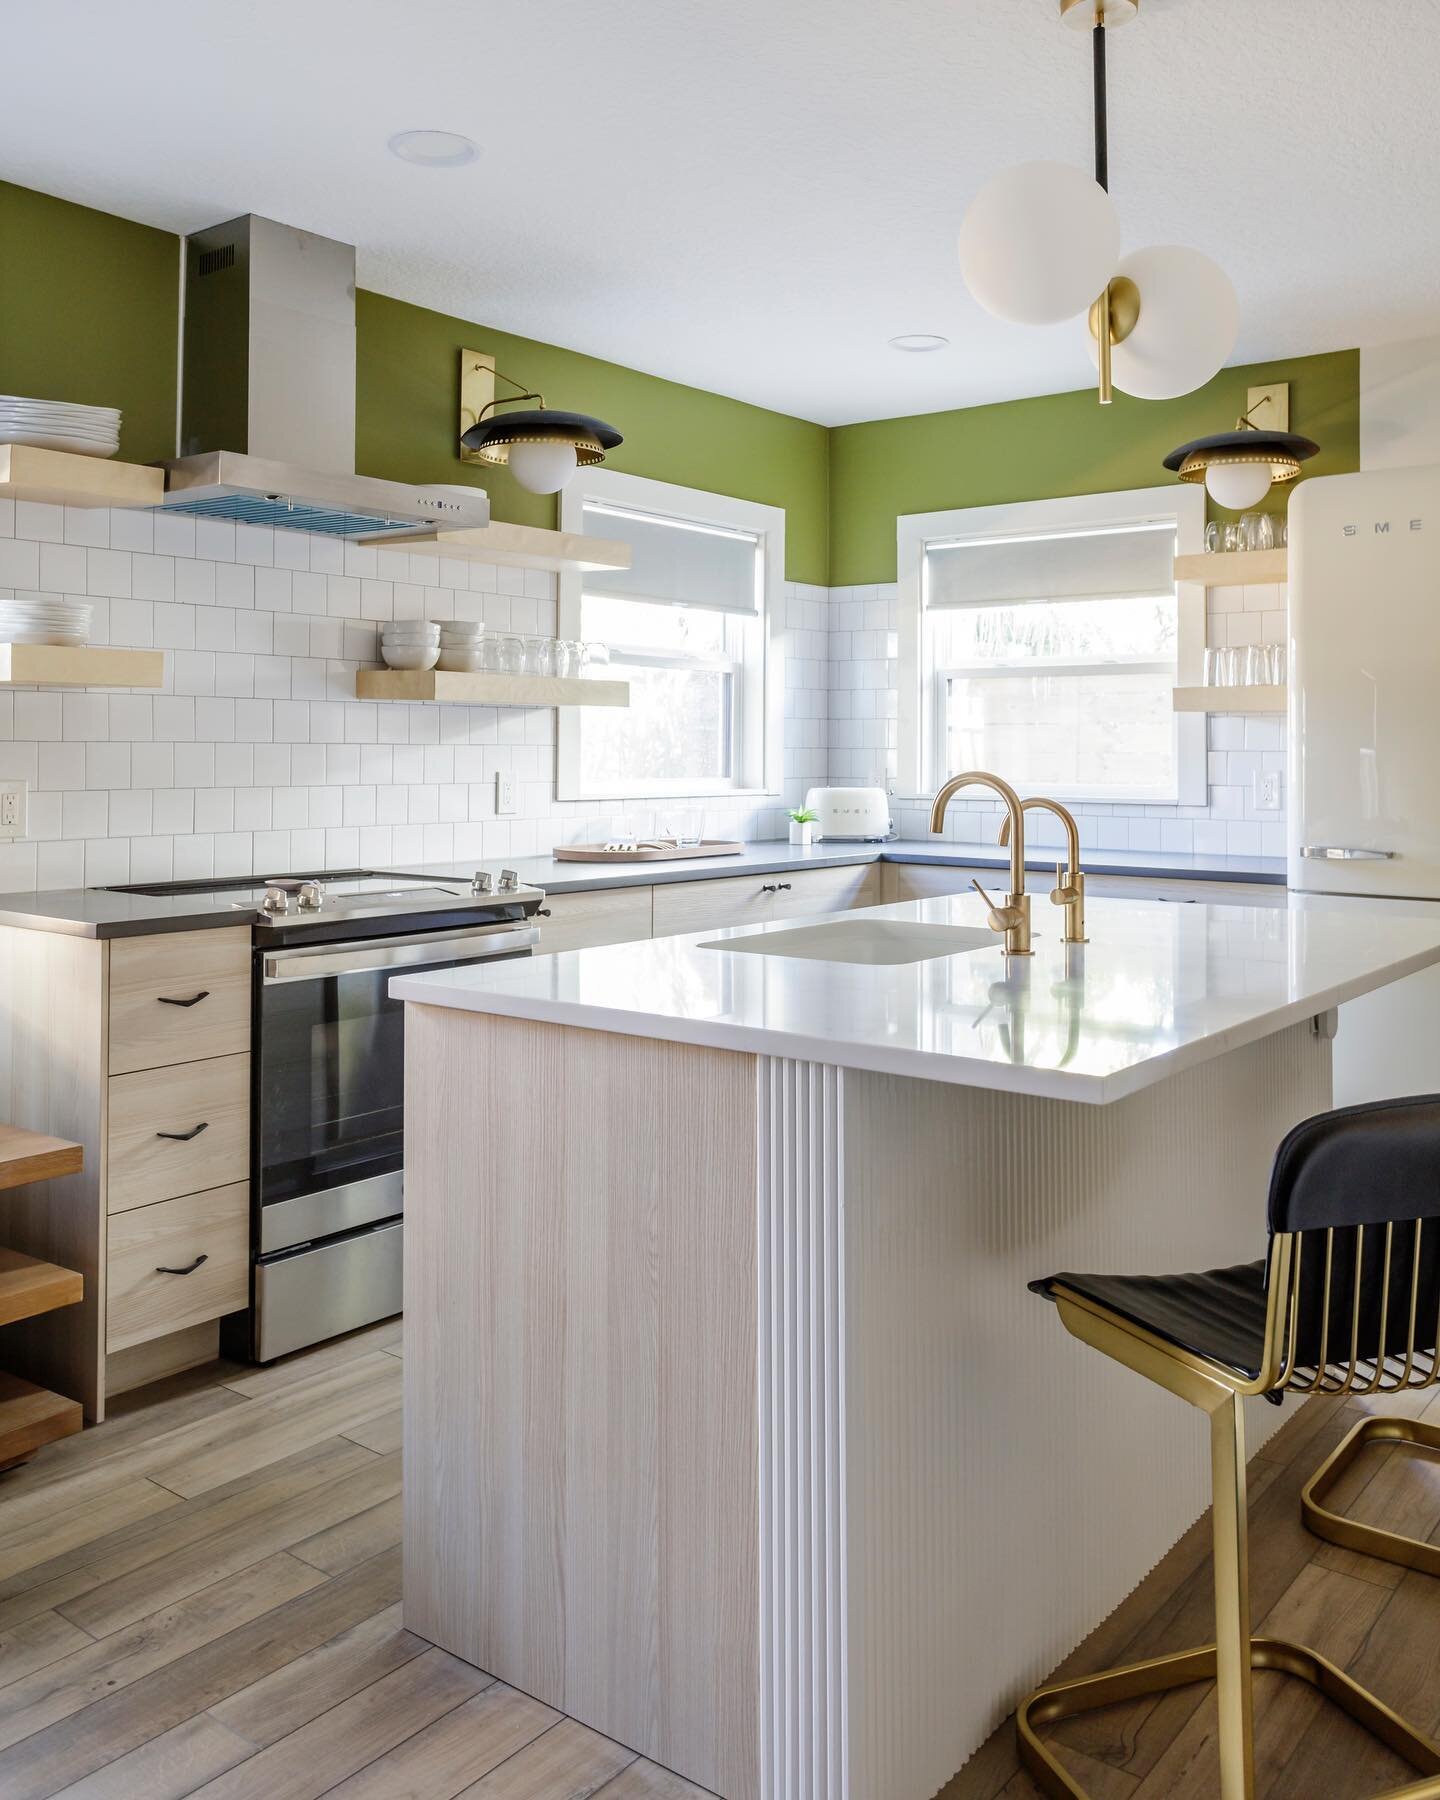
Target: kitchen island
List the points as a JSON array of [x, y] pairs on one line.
[[731, 1429]]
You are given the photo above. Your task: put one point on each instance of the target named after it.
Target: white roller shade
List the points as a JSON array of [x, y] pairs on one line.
[[676, 562], [1134, 561]]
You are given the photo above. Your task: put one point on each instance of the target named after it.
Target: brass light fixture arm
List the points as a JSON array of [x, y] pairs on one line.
[[1013, 918], [521, 393]]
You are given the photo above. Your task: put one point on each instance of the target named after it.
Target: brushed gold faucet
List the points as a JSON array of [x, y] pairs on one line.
[[1069, 888], [1013, 918]]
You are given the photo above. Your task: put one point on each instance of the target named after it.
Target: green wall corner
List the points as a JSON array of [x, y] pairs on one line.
[[89, 312], [1059, 444], [407, 424]]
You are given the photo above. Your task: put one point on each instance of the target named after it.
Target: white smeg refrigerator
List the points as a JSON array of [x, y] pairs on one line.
[[1364, 741]]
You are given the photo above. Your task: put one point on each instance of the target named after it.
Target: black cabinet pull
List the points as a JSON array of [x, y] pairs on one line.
[[160, 1268], [184, 1137], [542, 912], [775, 887], [194, 999]]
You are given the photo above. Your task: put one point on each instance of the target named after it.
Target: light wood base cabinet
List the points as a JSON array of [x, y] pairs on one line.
[[177, 1263]]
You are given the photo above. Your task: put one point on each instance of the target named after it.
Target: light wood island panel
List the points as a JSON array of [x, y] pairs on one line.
[[596, 1408]]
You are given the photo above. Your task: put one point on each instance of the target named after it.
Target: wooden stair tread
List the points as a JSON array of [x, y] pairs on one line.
[[31, 1416], [32, 1156], [29, 1286]]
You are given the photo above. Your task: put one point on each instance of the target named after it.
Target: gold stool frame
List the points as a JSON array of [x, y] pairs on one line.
[[1234, 1656], [1350, 1534]]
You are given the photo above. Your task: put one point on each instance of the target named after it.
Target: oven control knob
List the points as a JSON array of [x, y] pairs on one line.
[[509, 881], [312, 896], [276, 900], [483, 882]]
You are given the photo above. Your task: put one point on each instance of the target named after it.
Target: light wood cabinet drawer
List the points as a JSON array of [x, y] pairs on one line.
[[178, 996], [173, 1131], [924, 881], [1209, 893], [825, 890], [207, 1234], [681, 906], [608, 916]]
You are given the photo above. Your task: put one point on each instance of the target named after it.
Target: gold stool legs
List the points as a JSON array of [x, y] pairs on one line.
[[1229, 1662], [1370, 1540]]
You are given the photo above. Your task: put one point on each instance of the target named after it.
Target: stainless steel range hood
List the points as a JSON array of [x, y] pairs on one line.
[[267, 404]]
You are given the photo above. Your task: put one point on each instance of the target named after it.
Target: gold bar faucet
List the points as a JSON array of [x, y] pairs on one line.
[[1013, 918], [1069, 888]]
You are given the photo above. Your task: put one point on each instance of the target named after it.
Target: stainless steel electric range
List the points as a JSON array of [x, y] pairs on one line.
[[328, 1078]]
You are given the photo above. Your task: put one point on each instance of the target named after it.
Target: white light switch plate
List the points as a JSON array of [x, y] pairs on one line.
[[1267, 790], [13, 809], [505, 804]]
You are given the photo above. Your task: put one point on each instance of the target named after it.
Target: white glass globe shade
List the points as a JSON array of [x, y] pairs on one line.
[[542, 468], [1237, 485], [1189, 319], [1039, 242]]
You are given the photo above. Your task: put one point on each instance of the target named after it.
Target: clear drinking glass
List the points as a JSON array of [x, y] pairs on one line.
[[1275, 664], [1212, 536], [1231, 538], [1213, 653], [1256, 665], [510, 652], [685, 826], [1257, 530]]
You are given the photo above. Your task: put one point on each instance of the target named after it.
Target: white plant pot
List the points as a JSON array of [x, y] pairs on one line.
[[802, 836]]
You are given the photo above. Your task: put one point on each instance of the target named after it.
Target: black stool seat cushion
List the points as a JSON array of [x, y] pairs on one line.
[[1219, 1314]]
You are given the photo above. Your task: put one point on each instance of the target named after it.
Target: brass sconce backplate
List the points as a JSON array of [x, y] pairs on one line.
[[477, 391]]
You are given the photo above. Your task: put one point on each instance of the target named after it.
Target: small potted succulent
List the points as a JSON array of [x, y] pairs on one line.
[[802, 827]]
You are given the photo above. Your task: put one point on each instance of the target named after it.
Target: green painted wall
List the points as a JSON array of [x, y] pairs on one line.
[[407, 403], [88, 311], [1059, 444], [89, 306]]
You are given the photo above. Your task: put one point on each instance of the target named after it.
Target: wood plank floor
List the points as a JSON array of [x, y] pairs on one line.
[[1379, 1622], [201, 1596]]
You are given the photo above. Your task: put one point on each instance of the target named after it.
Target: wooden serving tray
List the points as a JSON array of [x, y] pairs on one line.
[[646, 853]]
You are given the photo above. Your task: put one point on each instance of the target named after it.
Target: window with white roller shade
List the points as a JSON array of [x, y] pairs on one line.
[[1125, 562], [677, 562]]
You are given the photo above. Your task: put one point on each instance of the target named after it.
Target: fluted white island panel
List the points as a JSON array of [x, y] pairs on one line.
[[730, 1426]]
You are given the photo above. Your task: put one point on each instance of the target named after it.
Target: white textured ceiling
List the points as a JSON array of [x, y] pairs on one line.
[[754, 195]]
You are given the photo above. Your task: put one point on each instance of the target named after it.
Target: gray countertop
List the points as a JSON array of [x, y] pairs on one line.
[[98, 912]]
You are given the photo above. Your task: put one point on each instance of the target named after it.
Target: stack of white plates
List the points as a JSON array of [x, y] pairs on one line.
[[410, 644], [460, 641], [58, 425], [44, 621]]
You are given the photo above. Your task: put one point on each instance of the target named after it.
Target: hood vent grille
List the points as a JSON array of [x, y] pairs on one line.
[[283, 514], [211, 262]]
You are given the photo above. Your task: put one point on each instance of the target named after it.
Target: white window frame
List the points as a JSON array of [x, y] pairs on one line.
[[758, 747], [921, 727]]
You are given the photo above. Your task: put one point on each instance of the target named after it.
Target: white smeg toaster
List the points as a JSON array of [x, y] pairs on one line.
[[858, 812]]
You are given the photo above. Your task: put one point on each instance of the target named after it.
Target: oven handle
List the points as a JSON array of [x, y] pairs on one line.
[[398, 953]]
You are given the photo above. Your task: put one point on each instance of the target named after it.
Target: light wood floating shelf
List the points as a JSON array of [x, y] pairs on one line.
[[1233, 568], [513, 546], [64, 479], [484, 689], [88, 665], [31, 1156], [1259, 699], [29, 1286]]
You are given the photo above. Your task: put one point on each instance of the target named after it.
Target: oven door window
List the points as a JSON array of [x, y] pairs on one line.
[[331, 1082]]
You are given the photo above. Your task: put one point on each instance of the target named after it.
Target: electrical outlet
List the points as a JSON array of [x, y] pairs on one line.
[[1267, 790], [13, 809], [505, 804]]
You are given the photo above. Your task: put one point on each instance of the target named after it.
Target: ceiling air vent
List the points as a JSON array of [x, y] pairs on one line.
[[211, 262]]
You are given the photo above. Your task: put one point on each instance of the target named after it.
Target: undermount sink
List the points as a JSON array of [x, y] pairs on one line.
[[862, 941]]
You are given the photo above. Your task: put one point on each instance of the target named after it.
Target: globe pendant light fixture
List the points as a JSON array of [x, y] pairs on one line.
[[542, 449], [1238, 466], [1039, 242]]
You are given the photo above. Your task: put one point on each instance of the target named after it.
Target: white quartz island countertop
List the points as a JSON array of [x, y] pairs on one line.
[[1157, 989]]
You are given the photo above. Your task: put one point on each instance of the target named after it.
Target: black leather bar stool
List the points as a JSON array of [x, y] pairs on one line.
[[1346, 1301]]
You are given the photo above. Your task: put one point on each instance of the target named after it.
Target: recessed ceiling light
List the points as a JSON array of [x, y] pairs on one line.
[[433, 149], [914, 341]]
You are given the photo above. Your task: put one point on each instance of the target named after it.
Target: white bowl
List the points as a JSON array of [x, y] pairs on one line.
[[425, 634], [462, 662], [404, 656]]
